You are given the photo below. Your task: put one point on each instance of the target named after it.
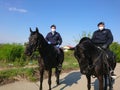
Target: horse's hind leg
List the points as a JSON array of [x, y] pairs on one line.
[[88, 81], [49, 78], [105, 77], [110, 83], [57, 74], [100, 78], [41, 77]]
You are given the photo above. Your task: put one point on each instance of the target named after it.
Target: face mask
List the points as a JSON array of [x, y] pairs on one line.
[[53, 30], [101, 28]]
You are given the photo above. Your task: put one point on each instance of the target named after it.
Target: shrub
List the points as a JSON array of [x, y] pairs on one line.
[[11, 52], [115, 47]]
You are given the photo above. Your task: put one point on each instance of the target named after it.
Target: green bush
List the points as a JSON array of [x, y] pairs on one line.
[[11, 52], [115, 47], [70, 62], [14, 53]]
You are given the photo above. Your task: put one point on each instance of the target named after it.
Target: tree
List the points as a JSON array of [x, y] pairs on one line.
[[84, 34]]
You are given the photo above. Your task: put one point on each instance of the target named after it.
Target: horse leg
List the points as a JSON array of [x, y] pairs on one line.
[[88, 81], [110, 82], [49, 78], [41, 77], [100, 78], [105, 77], [57, 74]]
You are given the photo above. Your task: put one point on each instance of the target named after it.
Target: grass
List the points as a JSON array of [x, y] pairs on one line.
[[32, 74], [17, 70], [13, 61], [16, 74], [70, 62]]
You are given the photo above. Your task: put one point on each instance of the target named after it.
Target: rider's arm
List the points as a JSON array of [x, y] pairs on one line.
[[110, 38], [94, 40], [47, 37], [59, 39]]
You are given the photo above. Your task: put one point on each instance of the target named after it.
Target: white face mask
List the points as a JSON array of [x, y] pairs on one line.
[[53, 30], [101, 28]]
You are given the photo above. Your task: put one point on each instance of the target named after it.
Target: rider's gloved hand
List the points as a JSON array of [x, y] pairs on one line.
[[58, 45], [49, 42], [104, 46]]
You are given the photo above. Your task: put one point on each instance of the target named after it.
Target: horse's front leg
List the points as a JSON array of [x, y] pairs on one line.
[[100, 78], [88, 81], [41, 77], [57, 74], [49, 78]]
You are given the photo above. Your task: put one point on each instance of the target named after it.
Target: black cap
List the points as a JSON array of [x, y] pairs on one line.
[[101, 23], [53, 26]]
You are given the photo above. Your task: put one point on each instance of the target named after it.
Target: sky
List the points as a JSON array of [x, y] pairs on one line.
[[72, 18]]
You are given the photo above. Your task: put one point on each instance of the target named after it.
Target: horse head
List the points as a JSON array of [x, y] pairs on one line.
[[82, 53], [33, 43], [82, 60]]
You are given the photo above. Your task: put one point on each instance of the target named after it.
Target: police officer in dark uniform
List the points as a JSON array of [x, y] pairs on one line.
[[103, 38], [54, 38]]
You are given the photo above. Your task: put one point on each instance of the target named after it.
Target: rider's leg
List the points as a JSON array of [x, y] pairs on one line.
[[111, 61], [58, 57]]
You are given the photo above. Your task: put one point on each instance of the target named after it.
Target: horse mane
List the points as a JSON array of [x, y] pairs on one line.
[[84, 39], [41, 37], [86, 43]]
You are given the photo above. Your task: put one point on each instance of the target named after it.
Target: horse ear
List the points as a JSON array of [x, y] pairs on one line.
[[31, 30], [37, 29]]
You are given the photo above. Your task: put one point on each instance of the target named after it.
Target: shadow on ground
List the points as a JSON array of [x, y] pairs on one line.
[[70, 79], [96, 84]]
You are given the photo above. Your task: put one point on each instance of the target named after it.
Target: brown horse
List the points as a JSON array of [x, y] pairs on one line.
[[49, 57], [93, 62]]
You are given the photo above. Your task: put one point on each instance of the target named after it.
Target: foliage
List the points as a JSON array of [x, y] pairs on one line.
[[11, 52], [70, 62], [115, 47], [14, 53], [84, 34]]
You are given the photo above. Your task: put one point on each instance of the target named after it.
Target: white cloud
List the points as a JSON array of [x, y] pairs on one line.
[[17, 10]]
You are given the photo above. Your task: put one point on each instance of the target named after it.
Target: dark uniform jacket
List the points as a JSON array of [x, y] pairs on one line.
[[102, 37], [55, 38]]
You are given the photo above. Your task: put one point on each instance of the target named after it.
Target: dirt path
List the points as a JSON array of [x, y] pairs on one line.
[[69, 81]]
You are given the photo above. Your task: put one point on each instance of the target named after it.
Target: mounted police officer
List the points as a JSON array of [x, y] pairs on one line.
[[54, 38], [103, 38]]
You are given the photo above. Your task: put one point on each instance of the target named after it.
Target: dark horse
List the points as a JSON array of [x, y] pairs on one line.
[[93, 62], [49, 57]]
